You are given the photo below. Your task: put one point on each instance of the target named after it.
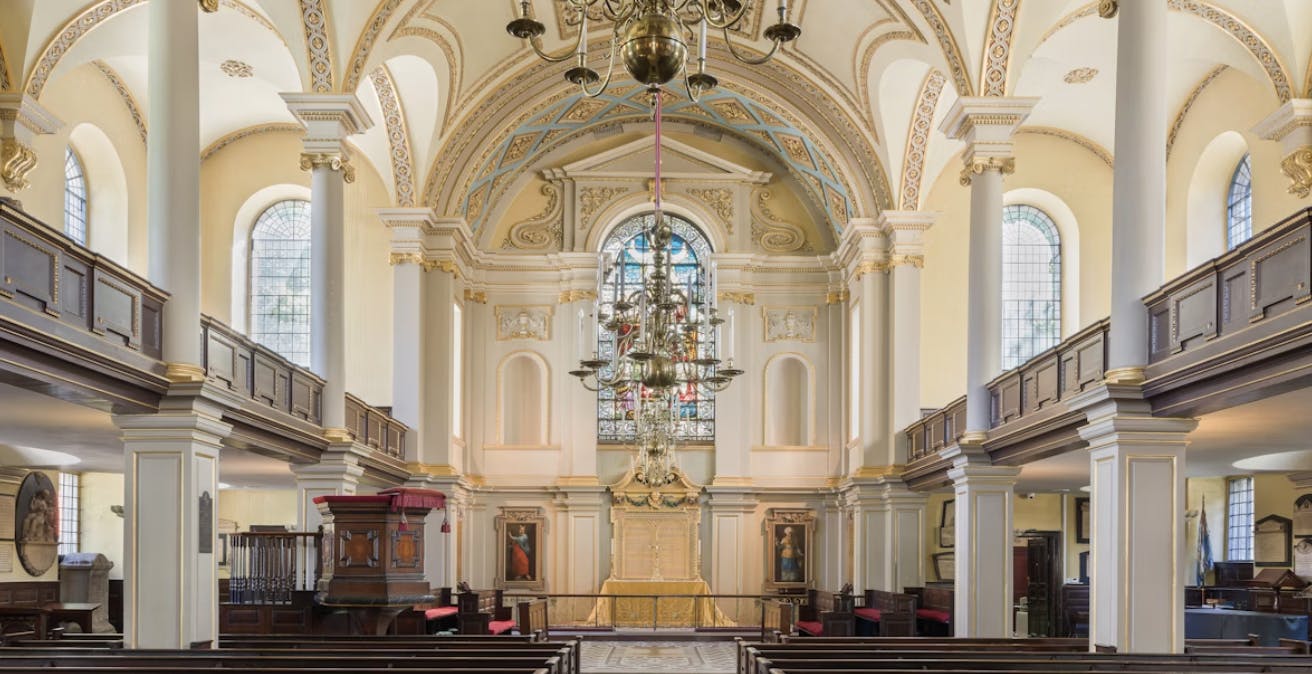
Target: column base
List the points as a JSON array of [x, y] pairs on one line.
[[338, 435], [1125, 375], [184, 373]]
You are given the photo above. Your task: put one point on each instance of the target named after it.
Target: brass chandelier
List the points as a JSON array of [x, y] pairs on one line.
[[652, 38], [666, 336]]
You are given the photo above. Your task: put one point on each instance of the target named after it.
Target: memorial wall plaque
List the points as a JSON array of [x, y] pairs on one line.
[[36, 520], [205, 526], [7, 524], [6, 557]]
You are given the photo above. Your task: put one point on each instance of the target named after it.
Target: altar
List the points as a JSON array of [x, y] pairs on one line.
[[655, 577]]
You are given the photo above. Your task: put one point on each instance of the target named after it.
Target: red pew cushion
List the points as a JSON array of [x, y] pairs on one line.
[[812, 627], [936, 616], [440, 612], [868, 613], [500, 626]]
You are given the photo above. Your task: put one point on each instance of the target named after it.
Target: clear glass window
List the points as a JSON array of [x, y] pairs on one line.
[[75, 198], [1031, 284], [1239, 519], [70, 502], [280, 280], [1239, 205]]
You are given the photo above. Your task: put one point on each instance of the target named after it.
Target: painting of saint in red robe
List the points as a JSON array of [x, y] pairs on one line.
[[519, 552]]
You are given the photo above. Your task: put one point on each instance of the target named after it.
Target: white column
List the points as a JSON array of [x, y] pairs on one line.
[[983, 543], [1138, 182], [337, 473], [407, 226], [1291, 124], [986, 124], [21, 119], [440, 453], [906, 232], [173, 179], [328, 119], [171, 471], [864, 250], [1137, 575]]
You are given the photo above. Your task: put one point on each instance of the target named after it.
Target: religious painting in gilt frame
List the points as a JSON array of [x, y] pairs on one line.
[[788, 549], [36, 523], [520, 553], [1273, 541]]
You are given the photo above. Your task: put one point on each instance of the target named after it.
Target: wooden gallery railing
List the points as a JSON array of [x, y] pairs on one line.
[[269, 567], [936, 430]]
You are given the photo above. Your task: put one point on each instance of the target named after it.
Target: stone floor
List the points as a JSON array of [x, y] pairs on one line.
[[640, 657]]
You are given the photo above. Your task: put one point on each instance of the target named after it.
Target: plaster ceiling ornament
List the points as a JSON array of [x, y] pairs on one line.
[[235, 68], [398, 137], [960, 74], [258, 129], [1197, 91], [1002, 27], [922, 123], [1107, 8], [568, 19], [1099, 151], [720, 200], [543, 230], [769, 232], [651, 38], [138, 119], [593, 199], [314, 18], [1298, 167], [524, 322], [72, 32], [790, 324], [1080, 75], [209, 6], [360, 55], [5, 81]]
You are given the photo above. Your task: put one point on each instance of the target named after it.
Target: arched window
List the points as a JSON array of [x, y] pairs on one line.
[[690, 253], [1239, 205], [280, 280], [1031, 284], [75, 198]]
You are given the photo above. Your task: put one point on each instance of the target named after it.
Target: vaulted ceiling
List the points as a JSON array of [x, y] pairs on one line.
[[850, 109]]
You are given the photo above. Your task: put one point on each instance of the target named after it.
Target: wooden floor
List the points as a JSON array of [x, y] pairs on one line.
[[603, 656]]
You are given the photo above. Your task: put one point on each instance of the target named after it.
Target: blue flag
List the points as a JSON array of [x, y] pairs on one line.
[[1204, 545]]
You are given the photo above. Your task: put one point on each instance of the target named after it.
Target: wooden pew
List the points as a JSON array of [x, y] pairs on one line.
[[531, 617], [481, 612], [893, 614], [827, 614], [935, 611], [1074, 610]]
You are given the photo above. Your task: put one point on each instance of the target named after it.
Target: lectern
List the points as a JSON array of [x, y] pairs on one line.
[[373, 555]]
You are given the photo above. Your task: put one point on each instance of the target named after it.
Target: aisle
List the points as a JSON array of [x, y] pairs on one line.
[[640, 657]]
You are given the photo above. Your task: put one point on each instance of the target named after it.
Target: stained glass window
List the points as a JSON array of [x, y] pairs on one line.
[[1239, 205], [1031, 284], [690, 253], [75, 198], [280, 280]]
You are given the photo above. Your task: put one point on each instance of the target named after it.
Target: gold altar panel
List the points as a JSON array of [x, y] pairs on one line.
[[669, 610], [657, 546]]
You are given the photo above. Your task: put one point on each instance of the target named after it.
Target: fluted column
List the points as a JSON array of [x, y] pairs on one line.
[[906, 234], [1138, 182], [328, 119], [21, 120], [986, 124], [1291, 124], [173, 179]]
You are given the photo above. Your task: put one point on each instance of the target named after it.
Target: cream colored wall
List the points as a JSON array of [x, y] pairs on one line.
[[1064, 169], [84, 95], [102, 530], [20, 574], [258, 506], [1043, 512]]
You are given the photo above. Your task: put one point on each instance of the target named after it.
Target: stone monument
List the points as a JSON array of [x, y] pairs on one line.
[[84, 578]]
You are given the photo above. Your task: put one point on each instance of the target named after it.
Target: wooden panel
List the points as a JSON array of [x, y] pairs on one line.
[[1193, 313], [1277, 272], [1090, 360], [73, 298], [1047, 383], [29, 593], [1159, 331], [301, 402], [1234, 298], [265, 381], [117, 310], [937, 432], [220, 360], [30, 269], [1009, 399]]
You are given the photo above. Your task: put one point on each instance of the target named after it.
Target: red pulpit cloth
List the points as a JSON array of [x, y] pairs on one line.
[[399, 498]]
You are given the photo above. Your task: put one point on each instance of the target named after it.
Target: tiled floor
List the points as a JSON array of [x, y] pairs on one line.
[[639, 657]]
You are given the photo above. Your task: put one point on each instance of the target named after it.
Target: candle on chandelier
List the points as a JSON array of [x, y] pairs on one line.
[[701, 44], [581, 349], [729, 335]]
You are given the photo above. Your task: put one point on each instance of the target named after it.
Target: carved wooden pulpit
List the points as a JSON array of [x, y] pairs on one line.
[[373, 554]]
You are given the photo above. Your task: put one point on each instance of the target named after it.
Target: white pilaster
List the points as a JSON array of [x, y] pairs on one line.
[[906, 233], [588, 564], [1138, 182], [986, 124], [578, 433], [439, 546], [21, 120], [1291, 124], [408, 353], [337, 473], [1136, 460], [171, 475], [983, 543], [864, 252], [173, 179], [328, 119]]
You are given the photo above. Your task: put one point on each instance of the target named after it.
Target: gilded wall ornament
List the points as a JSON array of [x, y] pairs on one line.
[[543, 230], [592, 199], [1002, 27], [790, 324], [235, 68], [209, 6], [899, 260], [746, 298], [16, 161], [769, 232], [524, 322], [836, 297], [280, 127], [314, 18], [978, 165], [922, 123], [568, 296], [1108, 8], [1080, 75], [1298, 166], [720, 200], [398, 137], [396, 258], [138, 119], [331, 160], [1189, 104], [475, 296]]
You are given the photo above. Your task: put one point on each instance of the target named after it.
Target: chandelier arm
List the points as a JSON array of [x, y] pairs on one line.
[[749, 60], [605, 82], [560, 57], [728, 20]]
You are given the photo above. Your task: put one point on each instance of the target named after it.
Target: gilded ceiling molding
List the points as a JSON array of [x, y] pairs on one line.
[[1307, 79], [1189, 101], [5, 81], [68, 36], [453, 52], [1090, 9], [209, 6], [772, 234], [314, 19], [1246, 36], [567, 22], [948, 43], [247, 132], [398, 137], [253, 16], [922, 120], [866, 57], [126, 94], [365, 44], [1107, 8], [1098, 150], [543, 230], [997, 55]]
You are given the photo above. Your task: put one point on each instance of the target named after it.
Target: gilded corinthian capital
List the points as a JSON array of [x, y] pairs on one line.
[[330, 160], [978, 165], [16, 161]]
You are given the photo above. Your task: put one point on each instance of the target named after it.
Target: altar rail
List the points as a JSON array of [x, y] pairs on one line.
[[270, 567], [708, 612]]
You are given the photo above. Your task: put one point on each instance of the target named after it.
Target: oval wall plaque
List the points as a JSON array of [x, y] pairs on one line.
[[36, 524]]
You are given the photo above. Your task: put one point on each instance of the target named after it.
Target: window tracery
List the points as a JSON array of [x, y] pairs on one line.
[[1031, 284], [280, 280]]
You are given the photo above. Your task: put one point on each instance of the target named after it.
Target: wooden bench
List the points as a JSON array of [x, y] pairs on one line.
[[501, 643], [935, 611], [827, 614], [890, 614], [1074, 610], [531, 617], [482, 612]]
